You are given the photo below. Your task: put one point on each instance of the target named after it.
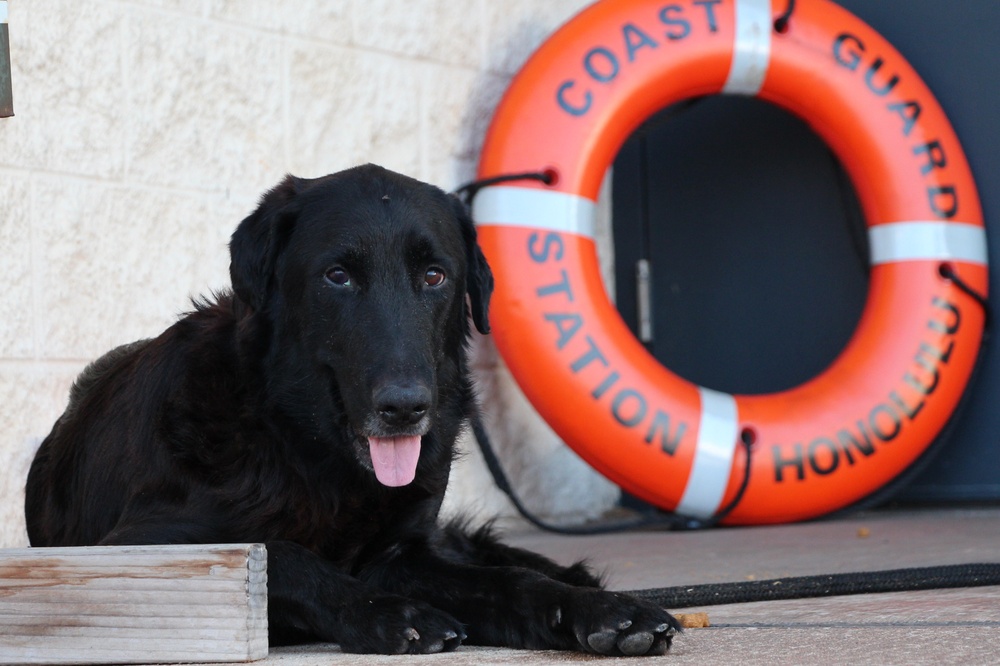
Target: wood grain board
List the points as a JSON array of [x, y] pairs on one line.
[[133, 604]]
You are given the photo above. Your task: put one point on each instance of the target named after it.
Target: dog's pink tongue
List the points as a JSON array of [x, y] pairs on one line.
[[395, 459]]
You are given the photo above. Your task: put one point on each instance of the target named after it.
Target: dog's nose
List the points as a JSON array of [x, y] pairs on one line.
[[402, 405]]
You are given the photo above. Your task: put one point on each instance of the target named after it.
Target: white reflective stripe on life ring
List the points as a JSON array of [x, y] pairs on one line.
[[922, 241], [535, 209], [751, 48], [713, 457]]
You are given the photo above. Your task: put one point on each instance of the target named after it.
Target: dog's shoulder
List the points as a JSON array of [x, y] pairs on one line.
[[192, 347], [97, 371]]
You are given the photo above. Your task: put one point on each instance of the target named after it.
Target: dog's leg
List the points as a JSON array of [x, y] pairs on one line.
[[309, 598], [484, 548], [519, 607]]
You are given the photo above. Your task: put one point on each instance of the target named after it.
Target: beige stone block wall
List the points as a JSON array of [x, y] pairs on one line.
[[146, 129]]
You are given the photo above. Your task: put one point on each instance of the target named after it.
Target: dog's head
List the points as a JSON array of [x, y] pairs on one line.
[[369, 279]]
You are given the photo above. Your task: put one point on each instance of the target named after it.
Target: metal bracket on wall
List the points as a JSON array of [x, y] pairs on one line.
[[644, 300], [6, 91]]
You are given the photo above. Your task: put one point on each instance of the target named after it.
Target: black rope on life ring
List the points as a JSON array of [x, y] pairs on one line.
[[650, 519], [657, 519], [947, 271], [653, 519], [468, 191], [781, 23]]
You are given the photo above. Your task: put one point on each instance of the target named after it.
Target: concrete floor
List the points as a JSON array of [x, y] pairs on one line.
[[958, 626]]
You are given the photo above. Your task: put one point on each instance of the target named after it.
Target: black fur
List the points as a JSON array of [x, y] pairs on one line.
[[245, 422]]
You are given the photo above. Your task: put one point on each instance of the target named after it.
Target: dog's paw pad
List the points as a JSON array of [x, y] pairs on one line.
[[616, 624], [635, 644], [603, 641]]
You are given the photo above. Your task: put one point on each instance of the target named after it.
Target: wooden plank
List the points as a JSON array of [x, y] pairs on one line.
[[133, 604]]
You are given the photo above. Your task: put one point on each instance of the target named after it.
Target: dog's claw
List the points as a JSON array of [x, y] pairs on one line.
[[449, 635], [411, 634], [625, 624], [663, 628]]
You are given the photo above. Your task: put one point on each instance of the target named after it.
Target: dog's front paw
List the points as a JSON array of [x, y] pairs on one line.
[[610, 623], [395, 625]]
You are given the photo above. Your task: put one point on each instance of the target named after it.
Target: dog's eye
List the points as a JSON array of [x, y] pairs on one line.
[[434, 277], [339, 277]]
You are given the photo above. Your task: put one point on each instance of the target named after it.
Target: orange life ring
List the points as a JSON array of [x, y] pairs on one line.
[[820, 446]]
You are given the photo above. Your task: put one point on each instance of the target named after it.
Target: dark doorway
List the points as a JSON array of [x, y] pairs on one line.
[[753, 240]]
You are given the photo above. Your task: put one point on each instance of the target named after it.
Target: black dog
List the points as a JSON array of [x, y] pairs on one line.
[[315, 409]]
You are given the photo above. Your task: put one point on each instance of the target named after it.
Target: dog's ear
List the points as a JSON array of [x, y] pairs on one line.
[[479, 278], [259, 239]]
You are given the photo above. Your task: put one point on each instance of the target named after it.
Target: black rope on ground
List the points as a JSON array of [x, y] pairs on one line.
[[805, 587], [781, 23], [652, 519]]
